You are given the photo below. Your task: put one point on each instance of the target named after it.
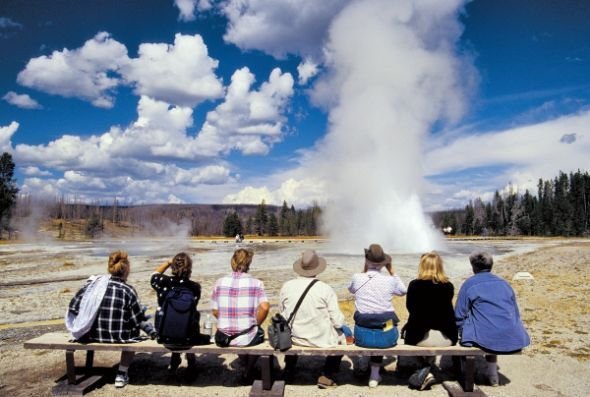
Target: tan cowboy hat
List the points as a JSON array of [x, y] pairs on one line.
[[375, 258], [310, 264]]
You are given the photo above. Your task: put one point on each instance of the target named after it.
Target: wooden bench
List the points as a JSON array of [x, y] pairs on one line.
[[78, 384]]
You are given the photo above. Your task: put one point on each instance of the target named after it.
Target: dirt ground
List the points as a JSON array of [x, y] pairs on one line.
[[554, 306]]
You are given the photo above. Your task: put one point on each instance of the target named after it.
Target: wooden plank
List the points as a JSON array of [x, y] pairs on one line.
[[60, 340], [455, 390], [82, 386], [277, 390]]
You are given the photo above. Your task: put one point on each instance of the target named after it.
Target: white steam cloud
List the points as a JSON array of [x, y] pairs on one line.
[[392, 73]]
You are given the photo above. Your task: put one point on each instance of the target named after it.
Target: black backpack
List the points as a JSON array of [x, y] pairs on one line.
[[175, 321]]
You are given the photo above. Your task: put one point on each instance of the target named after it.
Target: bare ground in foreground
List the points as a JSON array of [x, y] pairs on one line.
[[555, 308]]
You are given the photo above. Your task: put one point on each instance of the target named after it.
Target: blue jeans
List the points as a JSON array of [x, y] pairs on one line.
[[375, 338], [346, 330]]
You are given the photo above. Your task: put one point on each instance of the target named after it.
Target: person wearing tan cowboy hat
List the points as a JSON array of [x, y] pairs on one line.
[[375, 319], [318, 320]]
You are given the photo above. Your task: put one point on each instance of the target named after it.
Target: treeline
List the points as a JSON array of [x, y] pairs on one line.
[[560, 207], [166, 219], [272, 222], [8, 193]]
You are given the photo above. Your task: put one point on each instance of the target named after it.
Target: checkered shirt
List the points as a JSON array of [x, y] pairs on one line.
[[118, 316], [375, 296], [236, 297]]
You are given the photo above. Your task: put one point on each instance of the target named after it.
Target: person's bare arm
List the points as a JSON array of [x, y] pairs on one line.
[[215, 313], [262, 312], [162, 268]]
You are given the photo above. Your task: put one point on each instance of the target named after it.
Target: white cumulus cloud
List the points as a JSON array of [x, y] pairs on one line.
[[298, 192], [85, 73], [280, 27], [188, 8], [23, 101], [306, 71], [519, 155], [248, 120], [6, 133], [181, 73], [35, 171]]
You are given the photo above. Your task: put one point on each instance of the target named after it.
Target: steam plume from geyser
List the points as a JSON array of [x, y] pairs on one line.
[[392, 73]]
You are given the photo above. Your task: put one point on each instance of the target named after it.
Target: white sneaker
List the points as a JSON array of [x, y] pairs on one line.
[[373, 383], [121, 380]]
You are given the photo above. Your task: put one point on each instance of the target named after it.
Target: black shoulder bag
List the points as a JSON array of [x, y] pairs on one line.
[[223, 340], [279, 331]]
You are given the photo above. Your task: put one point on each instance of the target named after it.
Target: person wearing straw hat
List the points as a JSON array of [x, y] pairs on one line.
[[374, 317], [318, 321]]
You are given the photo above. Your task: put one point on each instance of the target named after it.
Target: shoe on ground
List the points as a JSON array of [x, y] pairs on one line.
[[326, 383], [494, 380], [174, 363], [121, 380], [373, 383], [418, 378], [429, 381]]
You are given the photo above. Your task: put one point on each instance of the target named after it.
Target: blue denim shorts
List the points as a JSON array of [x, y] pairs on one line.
[[375, 338]]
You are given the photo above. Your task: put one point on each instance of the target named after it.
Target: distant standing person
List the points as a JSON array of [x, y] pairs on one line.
[[106, 309], [318, 321], [240, 305], [375, 319], [181, 266], [431, 322], [487, 314]]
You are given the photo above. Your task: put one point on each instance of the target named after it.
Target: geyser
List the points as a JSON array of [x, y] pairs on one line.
[[391, 73]]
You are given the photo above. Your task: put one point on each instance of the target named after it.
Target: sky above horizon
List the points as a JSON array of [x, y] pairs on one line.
[[235, 101]]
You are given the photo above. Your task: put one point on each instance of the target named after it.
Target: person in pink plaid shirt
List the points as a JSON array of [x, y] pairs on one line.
[[239, 303]]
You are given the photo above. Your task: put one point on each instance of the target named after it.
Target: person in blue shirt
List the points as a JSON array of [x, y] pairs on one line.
[[487, 314]]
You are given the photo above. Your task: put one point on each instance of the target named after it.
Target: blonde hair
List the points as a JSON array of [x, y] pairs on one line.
[[431, 268], [240, 261], [119, 264]]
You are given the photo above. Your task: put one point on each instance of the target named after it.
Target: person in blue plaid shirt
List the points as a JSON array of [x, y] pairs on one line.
[[119, 316]]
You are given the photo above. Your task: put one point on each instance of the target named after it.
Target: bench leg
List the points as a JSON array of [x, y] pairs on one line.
[[70, 367], [266, 363], [266, 386], [465, 371], [469, 374], [89, 360]]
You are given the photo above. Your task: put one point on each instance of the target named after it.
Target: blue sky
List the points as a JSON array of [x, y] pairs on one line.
[[200, 101]]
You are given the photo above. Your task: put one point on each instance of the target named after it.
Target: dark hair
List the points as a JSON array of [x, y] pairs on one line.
[[182, 265], [481, 262]]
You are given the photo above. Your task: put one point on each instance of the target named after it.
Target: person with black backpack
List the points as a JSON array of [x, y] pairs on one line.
[[177, 317]]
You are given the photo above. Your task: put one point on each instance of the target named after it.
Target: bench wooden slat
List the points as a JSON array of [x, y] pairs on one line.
[[61, 341]]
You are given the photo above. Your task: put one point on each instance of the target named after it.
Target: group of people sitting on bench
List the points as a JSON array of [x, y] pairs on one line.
[[486, 314]]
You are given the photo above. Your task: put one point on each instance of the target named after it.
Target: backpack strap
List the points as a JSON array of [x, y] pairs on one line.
[[292, 316]]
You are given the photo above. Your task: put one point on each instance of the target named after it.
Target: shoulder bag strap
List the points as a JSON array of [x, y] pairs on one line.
[[359, 288], [234, 336], [301, 300]]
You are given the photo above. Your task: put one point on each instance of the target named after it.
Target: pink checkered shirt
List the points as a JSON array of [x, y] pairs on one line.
[[236, 297], [373, 291]]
